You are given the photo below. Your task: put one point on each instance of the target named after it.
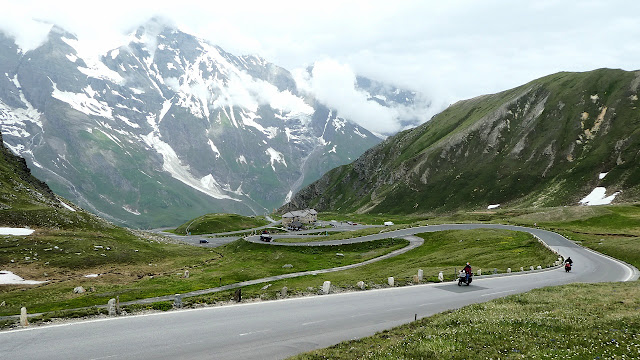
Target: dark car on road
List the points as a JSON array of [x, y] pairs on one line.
[[204, 241], [266, 238]]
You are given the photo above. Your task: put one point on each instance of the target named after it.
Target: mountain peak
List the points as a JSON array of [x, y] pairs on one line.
[[168, 124]]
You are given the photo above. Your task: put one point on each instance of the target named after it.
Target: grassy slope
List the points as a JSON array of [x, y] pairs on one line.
[[218, 223], [154, 269], [579, 321]]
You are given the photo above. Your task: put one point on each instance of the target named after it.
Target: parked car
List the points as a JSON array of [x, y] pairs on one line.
[[204, 241], [265, 238]]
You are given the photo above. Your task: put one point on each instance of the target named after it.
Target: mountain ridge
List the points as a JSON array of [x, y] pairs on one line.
[[544, 143], [143, 132]]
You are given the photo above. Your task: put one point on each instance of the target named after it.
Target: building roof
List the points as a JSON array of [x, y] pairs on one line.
[[300, 213]]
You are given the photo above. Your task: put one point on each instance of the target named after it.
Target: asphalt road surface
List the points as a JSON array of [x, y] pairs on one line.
[[277, 329]]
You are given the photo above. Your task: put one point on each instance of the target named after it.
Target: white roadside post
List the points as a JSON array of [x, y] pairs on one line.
[[111, 307], [23, 317], [326, 287]]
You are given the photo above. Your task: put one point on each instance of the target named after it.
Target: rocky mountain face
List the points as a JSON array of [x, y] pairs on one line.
[[17, 178], [551, 142], [25, 201], [168, 127]]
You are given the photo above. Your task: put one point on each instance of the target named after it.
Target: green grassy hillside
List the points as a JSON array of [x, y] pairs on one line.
[[217, 223], [541, 144]]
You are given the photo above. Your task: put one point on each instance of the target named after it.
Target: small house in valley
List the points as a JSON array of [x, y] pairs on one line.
[[305, 217]]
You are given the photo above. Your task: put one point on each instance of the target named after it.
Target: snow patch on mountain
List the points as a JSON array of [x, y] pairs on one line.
[[128, 209], [126, 121], [67, 206], [276, 157], [13, 119], [82, 102], [357, 132], [214, 148], [599, 197], [207, 185], [288, 197], [95, 68]]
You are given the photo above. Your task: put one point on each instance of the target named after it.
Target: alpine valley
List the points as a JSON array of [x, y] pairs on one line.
[[565, 139], [168, 127]]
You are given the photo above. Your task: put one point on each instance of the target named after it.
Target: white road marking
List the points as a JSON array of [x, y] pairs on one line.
[[394, 309], [499, 292], [313, 322], [255, 332], [359, 315], [427, 304]]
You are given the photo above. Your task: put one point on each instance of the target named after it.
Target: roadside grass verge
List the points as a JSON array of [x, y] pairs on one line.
[[577, 321], [370, 219], [160, 271], [344, 234], [218, 223]]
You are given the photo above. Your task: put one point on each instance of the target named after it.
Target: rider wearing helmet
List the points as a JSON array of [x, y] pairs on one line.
[[467, 271]]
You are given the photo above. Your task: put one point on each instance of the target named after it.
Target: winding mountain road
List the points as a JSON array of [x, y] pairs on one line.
[[277, 329]]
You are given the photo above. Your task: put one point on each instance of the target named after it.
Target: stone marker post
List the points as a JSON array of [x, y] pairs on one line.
[[283, 292], [177, 301], [360, 284], [521, 268], [539, 267], [508, 270], [531, 268], [326, 287], [111, 307], [237, 296], [479, 272], [495, 271], [391, 280], [441, 276], [420, 275], [23, 317]]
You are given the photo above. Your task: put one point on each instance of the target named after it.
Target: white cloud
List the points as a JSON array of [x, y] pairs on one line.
[[447, 50], [334, 85]]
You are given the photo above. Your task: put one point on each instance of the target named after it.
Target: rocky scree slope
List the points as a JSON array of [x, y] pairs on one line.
[[547, 143]]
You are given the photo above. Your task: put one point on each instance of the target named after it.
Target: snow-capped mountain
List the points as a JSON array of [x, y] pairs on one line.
[[168, 127]]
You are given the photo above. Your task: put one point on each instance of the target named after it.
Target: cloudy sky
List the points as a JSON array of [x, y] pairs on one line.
[[446, 50]]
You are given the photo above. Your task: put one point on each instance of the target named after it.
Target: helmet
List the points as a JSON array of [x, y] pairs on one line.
[[468, 264]]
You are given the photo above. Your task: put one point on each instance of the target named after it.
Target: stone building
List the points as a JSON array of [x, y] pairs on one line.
[[307, 216]]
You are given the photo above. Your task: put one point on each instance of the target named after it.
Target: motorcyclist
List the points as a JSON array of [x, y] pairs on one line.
[[467, 270], [569, 261]]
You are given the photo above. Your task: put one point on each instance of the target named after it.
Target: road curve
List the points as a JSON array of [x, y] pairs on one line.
[[277, 329]]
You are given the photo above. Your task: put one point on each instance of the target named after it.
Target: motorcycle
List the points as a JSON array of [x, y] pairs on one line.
[[462, 279], [567, 267]]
